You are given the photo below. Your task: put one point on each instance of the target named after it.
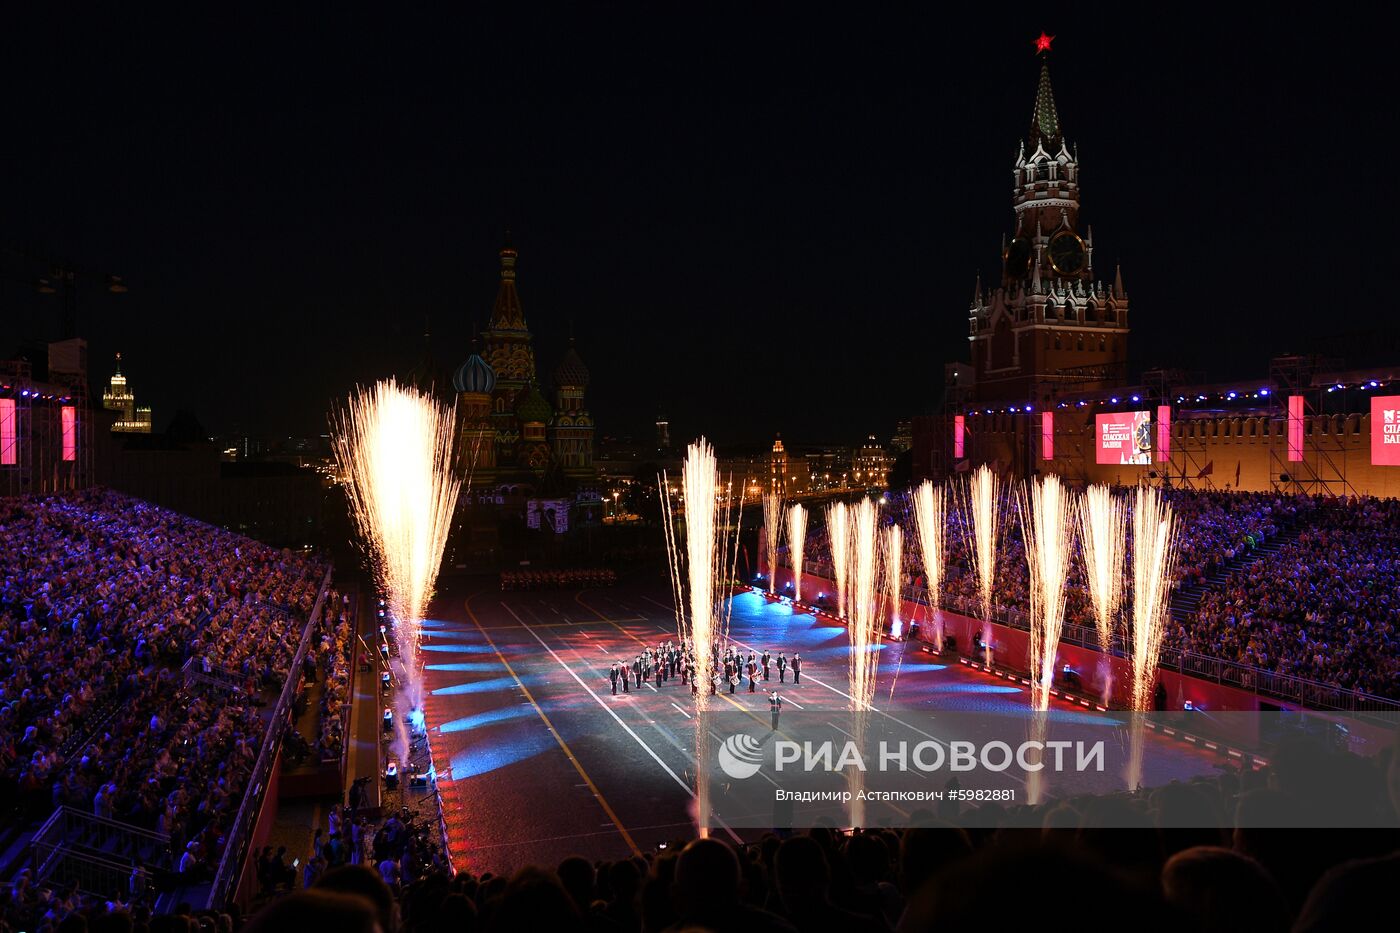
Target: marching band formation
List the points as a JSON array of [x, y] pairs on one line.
[[729, 667]]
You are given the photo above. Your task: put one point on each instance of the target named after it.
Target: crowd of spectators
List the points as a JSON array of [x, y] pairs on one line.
[[1069, 864], [1323, 606], [103, 601], [328, 663]]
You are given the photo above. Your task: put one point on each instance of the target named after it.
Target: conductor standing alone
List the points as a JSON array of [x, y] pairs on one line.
[[775, 705]]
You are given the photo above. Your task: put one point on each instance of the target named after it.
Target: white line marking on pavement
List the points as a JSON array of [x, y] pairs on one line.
[[626, 728]]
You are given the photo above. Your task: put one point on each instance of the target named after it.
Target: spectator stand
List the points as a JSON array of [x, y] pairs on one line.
[[315, 750], [257, 810]]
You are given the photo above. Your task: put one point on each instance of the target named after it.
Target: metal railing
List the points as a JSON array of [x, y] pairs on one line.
[[193, 672], [1272, 684], [231, 863], [94, 852]]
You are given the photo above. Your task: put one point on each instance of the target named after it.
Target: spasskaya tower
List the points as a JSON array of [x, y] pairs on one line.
[[1050, 326]]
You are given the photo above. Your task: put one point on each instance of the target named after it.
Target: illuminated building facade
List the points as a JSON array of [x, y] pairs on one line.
[[778, 468], [870, 467], [117, 397]]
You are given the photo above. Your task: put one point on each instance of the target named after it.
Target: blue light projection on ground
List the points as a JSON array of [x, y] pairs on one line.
[[505, 713], [486, 686], [466, 666], [459, 649], [488, 756], [975, 688]]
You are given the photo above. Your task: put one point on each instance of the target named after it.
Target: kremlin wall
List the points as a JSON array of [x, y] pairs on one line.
[[1247, 451]]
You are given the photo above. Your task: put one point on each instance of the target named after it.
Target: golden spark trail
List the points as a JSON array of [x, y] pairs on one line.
[[1154, 562], [894, 574], [838, 533], [797, 537], [1103, 537], [865, 600], [394, 446], [1047, 527], [701, 556], [982, 507], [930, 517], [772, 523]]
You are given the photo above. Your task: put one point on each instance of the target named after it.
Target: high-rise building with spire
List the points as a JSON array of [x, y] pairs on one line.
[[1051, 324], [118, 397]]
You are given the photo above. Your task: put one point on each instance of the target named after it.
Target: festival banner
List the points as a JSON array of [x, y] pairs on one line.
[[1124, 437], [69, 416], [1164, 433], [1295, 428], [1047, 435], [1385, 430], [9, 433]]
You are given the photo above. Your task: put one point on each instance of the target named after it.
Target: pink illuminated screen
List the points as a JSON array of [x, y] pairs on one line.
[[1124, 437], [1047, 435], [1295, 428], [1164, 433], [8, 433], [959, 431], [1385, 430], [70, 433]]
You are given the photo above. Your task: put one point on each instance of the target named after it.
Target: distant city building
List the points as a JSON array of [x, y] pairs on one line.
[[903, 439], [663, 433], [778, 468], [131, 418], [871, 467]]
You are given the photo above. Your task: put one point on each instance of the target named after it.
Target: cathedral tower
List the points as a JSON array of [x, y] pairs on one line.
[[571, 434], [475, 381], [511, 355]]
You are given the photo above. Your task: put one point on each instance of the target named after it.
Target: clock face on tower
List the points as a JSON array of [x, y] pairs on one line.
[[1018, 258], [1067, 253]]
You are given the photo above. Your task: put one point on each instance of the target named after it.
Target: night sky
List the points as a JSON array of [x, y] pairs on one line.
[[760, 222]]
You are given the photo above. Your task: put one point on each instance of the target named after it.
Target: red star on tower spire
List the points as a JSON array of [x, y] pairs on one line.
[[1043, 43]]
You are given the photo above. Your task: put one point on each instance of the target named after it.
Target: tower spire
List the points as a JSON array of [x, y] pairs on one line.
[[1045, 119]]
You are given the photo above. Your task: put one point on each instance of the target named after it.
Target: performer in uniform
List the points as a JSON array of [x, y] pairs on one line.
[[612, 675], [797, 668], [782, 667], [765, 663], [622, 670], [775, 705]]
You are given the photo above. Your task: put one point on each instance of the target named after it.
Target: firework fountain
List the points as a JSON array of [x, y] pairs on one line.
[[1103, 542], [1047, 527], [702, 557], [1154, 562], [894, 574], [865, 600], [838, 533], [930, 516], [797, 537], [982, 510], [394, 445], [772, 524]]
